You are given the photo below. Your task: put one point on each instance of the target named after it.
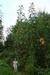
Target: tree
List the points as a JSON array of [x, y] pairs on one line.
[[32, 12], [21, 15], [9, 52], [41, 43], [1, 35], [23, 35], [1, 31]]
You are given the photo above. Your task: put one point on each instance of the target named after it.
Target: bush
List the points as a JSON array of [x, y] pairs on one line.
[[5, 68], [29, 69]]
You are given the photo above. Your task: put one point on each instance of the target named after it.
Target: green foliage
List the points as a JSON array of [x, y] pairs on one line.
[[41, 71], [1, 47], [23, 37], [5, 68], [43, 31], [29, 43]]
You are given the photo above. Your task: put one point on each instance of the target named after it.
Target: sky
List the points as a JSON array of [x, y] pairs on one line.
[[9, 9]]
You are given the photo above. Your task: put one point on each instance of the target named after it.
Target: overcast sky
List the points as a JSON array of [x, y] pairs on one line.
[[10, 7]]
